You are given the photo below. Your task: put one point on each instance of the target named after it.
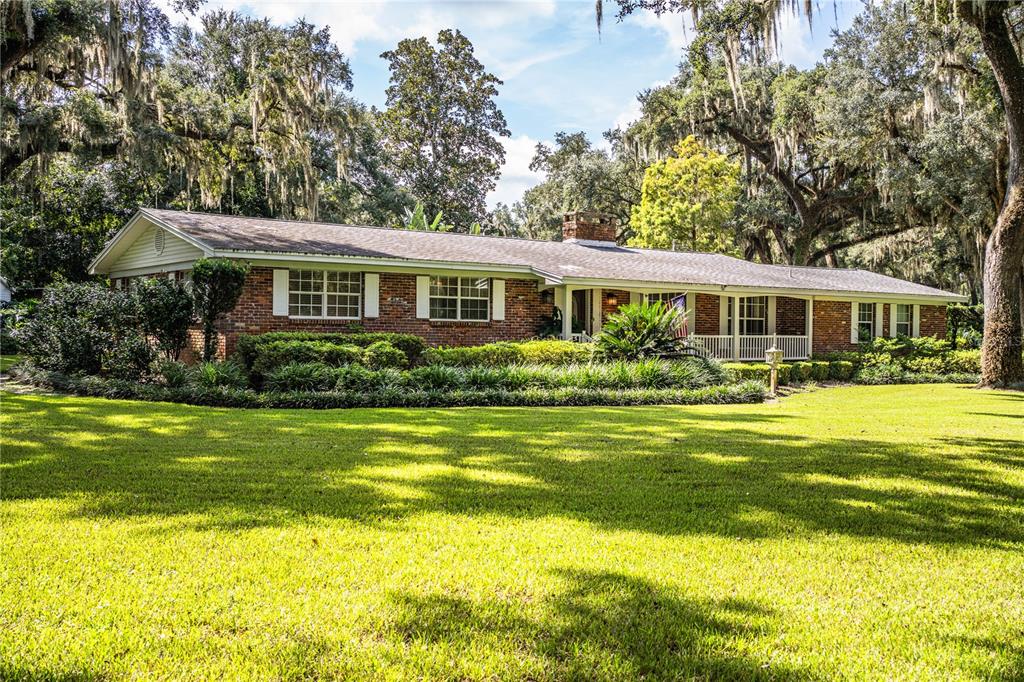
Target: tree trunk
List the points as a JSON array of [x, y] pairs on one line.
[[1001, 363]]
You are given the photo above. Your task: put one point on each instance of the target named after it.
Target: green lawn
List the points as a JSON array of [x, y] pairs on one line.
[[862, 532]]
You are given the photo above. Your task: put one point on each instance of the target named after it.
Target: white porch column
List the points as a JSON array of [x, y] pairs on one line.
[[691, 312], [596, 312], [736, 327], [567, 313], [809, 324]]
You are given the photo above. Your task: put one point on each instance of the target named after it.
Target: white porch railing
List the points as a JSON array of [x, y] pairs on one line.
[[752, 347]]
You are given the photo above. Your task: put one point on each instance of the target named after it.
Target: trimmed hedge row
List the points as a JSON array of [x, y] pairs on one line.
[[793, 373], [540, 352], [645, 374], [223, 396], [250, 347]]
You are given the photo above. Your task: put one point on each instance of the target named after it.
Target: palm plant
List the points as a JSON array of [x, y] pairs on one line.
[[640, 331]]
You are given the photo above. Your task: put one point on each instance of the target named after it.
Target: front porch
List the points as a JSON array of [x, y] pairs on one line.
[[785, 322]]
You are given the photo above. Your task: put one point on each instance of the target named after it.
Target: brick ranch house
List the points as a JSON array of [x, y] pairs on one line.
[[456, 289]]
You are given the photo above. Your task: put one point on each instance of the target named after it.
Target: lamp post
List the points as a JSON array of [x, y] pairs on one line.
[[773, 356]]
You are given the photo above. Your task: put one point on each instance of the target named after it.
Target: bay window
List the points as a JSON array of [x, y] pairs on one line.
[[460, 298], [324, 293]]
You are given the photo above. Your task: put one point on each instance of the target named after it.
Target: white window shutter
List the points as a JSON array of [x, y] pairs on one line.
[[854, 338], [636, 298], [892, 319], [917, 320], [422, 297], [280, 298], [498, 294], [771, 316], [170, 276], [371, 294], [723, 315], [879, 319]]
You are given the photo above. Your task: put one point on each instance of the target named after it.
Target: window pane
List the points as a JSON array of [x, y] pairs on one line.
[[444, 286], [305, 304], [474, 309], [305, 280], [443, 308], [343, 282], [473, 288]]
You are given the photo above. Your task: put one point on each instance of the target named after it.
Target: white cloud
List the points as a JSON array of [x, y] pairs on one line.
[[516, 176], [676, 28]]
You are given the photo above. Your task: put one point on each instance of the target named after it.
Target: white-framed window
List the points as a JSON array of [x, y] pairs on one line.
[[865, 321], [460, 298], [904, 319], [753, 316], [324, 293]]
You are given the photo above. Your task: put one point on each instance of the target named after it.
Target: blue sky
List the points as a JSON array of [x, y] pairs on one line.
[[558, 73]]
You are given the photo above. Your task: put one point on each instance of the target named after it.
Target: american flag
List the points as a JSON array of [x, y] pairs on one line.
[[682, 330]]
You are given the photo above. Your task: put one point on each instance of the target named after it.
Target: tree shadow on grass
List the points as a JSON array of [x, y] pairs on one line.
[[601, 625], [655, 469]]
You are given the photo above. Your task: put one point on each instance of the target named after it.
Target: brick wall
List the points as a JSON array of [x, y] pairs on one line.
[[933, 321], [706, 315], [621, 298], [831, 327], [525, 313], [790, 316]]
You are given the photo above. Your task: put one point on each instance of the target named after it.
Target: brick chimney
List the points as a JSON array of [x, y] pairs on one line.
[[588, 226]]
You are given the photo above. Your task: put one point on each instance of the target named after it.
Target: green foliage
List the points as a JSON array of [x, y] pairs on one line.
[[687, 201], [640, 331], [227, 374], [965, 324], [432, 386], [173, 373], [279, 353], [491, 355], [216, 287], [168, 311], [248, 348], [301, 376], [442, 127], [418, 221], [86, 328], [383, 354], [555, 352]]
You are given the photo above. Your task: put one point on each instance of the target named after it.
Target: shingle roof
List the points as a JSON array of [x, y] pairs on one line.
[[556, 260]]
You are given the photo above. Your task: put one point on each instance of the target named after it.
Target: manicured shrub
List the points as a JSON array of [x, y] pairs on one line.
[[249, 347], [640, 331], [383, 354], [800, 372], [487, 355], [216, 287], [167, 311], [226, 396], [301, 376], [279, 353], [213, 374], [819, 370], [841, 370], [555, 352], [758, 371]]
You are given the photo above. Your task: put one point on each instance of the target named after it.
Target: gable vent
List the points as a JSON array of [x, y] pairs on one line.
[[158, 240]]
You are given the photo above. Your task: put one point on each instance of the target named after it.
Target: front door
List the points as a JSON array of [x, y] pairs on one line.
[[581, 311]]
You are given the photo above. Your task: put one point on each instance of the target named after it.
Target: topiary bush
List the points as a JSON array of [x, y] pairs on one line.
[[640, 331], [217, 285], [167, 311]]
